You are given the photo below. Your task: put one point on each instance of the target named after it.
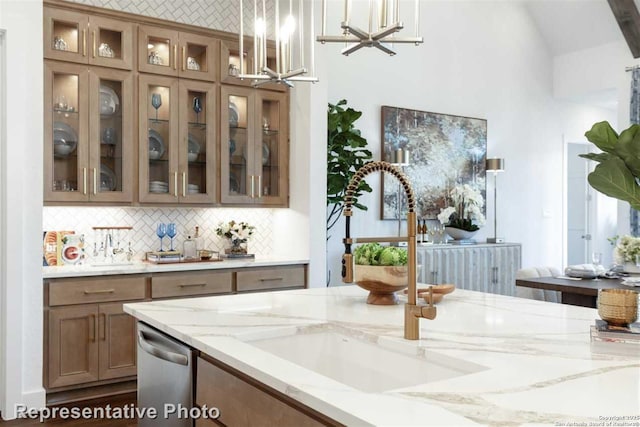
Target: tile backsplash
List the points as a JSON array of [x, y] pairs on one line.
[[145, 219]]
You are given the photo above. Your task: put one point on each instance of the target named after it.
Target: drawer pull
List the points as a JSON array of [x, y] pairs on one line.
[[100, 291], [273, 279], [192, 285]]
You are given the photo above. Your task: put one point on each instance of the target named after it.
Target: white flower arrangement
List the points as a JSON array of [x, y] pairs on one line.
[[237, 232], [466, 212], [626, 249]]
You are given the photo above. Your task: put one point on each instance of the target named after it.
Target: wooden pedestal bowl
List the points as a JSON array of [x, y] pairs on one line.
[[382, 282]]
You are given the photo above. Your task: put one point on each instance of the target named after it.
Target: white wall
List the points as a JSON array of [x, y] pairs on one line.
[[21, 337], [480, 59]]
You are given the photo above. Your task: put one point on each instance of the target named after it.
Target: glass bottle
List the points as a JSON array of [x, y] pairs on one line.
[[198, 239], [189, 248]]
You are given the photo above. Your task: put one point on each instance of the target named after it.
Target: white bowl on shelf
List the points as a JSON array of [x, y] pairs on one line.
[[192, 157]]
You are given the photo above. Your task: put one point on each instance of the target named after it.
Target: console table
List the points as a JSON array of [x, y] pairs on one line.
[[481, 267], [582, 292]]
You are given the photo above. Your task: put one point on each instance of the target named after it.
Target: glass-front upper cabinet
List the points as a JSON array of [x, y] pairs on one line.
[[75, 37], [254, 168], [173, 53], [88, 134], [197, 155], [271, 137], [158, 137]]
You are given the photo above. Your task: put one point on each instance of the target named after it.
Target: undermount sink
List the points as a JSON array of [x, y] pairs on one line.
[[361, 364]]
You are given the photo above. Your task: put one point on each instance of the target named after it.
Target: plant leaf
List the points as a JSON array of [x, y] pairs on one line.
[[598, 157], [614, 179], [628, 148], [603, 136]]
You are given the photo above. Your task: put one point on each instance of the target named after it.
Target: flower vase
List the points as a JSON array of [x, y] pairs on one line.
[[236, 247]]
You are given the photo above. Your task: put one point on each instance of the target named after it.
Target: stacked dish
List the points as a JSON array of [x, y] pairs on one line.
[[107, 179], [65, 139], [156, 145], [109, 101], [193, 188], [158, 187], [193, 149]]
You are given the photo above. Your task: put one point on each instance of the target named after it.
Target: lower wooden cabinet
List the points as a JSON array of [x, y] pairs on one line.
[[89, 340], [243, 401]]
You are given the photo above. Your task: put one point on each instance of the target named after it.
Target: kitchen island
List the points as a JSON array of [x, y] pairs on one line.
[[486, 358]]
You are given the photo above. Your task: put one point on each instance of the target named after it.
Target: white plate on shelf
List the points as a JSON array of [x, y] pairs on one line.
[[265, 153], [156, 145], [109, 101], [234, 115], [107, 179]]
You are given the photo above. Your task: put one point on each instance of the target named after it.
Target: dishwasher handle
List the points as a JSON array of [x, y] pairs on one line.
[[169, 356]]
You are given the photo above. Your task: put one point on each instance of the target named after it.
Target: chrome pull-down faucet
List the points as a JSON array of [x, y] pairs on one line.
[[412, 311]]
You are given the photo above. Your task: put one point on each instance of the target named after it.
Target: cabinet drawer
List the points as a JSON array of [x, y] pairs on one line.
[[242, 403], [190, 283], [79, 291], [270, 278]]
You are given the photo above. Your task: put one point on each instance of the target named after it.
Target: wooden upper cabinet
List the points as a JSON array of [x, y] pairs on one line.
[[230, 64], [77, 37], [174, 53], [88, 134]]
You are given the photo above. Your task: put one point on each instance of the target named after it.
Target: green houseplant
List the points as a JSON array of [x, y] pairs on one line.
[[618, 171], [346, 153]]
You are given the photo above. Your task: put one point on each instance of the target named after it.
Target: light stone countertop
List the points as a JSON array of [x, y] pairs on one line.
[[534, 361], [139, 267]]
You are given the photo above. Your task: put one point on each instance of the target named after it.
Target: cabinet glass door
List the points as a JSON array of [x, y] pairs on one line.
[[65, 154], [65, 35], [197, 155], [198, 57], [157, 50], [230, 63], [111, 43], [237, 145], [158, 138], [111, 135], [271, 149]]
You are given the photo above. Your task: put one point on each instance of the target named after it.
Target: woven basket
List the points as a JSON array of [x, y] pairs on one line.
[[618, 306]]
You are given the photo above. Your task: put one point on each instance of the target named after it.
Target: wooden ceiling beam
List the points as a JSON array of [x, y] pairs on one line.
[[628, 18]]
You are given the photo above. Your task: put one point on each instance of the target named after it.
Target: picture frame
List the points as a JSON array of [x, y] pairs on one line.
[[444, 151]]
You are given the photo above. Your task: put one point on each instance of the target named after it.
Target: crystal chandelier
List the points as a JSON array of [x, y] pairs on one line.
[[289, 38], [387, 23]]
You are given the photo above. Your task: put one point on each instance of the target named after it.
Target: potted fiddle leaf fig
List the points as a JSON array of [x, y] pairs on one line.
[[618, 171], [346, 153]]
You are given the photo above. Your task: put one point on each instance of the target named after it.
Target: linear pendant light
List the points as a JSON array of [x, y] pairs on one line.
[[387, 24], [288, 67]]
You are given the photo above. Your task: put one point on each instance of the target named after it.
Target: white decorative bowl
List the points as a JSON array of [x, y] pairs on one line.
[[459, 234]]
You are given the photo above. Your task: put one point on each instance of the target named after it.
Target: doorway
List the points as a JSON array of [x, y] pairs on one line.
[[580, 209]]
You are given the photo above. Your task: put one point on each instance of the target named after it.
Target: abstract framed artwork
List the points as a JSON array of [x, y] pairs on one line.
[[444, 151]]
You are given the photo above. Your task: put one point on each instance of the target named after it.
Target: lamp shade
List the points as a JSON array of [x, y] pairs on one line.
[[401, 157], [495, 165]]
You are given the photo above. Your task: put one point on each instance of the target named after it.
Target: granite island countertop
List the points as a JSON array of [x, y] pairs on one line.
[[142, 267], [535, 363]]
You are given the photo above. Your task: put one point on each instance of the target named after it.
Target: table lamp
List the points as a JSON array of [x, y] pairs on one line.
[[400, 159], [495, 166]]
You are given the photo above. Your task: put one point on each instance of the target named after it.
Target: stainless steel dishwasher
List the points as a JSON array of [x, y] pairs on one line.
[[165, 379]]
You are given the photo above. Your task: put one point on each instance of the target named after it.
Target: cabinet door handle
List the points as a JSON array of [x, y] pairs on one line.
[[175, 56], [93, 36], [84, 42], [192, 285], [259, 186], [92, 328], [184, 184], [273, 279], [84, 180], [103, 330], [184, 58], [95, 181], [99, 291], [252, 187], [175, 184]]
